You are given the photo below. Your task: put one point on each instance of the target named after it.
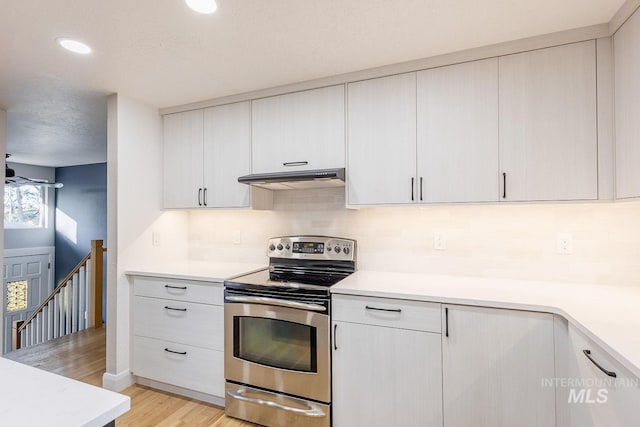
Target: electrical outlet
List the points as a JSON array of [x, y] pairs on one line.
[[155, 238], [564, 243], [439, 241], [237, 237]]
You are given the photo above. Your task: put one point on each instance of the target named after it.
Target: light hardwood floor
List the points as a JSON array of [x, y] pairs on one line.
[[81, 356]]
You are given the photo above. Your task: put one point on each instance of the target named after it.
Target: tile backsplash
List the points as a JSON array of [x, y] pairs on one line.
[[512, 241]]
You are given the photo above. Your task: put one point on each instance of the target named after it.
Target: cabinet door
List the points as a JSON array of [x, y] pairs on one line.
[[591, 398], [494, 363], [548, 139], [458, 133], [299, 131], [627, 99], [183, 159], [227, 155], [381, 147], [386, 377]]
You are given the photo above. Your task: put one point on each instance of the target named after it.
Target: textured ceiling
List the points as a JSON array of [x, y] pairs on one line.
[[162, 53]]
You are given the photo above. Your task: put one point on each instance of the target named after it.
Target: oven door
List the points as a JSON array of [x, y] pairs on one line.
[[278, 348]]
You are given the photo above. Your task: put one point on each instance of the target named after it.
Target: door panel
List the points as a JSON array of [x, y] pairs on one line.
[[32, 271]]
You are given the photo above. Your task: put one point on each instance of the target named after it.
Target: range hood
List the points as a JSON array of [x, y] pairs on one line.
[[297, 180]]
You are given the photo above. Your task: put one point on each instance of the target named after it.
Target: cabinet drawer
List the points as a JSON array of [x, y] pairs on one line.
[[199, 369], [395, 313], [201, 325], [182, 290]]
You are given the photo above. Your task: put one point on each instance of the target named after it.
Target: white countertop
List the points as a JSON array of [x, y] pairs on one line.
[[33, 397], [609, 315], [197, 270]]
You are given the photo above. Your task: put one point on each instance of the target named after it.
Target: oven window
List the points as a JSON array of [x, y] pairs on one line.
[[276, 343]]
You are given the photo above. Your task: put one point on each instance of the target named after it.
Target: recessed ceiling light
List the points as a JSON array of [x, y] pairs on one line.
[[74, 46], [202, 6]]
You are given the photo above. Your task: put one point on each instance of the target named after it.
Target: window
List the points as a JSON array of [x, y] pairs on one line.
[[24, 206], [17, 295]]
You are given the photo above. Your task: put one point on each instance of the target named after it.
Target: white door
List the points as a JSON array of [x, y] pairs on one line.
[[183, 136], [458, 133], [627, 98], [26, 283], [494, 364], [381, 147], [386, 377], [227, 155], [298, 131], [548, 135]]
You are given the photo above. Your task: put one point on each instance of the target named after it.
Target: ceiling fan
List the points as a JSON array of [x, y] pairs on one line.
[[10, 178]]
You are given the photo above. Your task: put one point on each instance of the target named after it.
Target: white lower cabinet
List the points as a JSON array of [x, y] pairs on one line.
[[588, 393], [494, 362], [383, 374], [178, 333]]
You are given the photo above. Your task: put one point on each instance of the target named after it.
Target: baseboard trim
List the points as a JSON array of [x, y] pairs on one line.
[[117, 382], [204, 397]]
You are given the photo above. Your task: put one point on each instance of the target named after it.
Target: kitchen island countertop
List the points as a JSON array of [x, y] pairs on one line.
[[33, 397], [608, 314]]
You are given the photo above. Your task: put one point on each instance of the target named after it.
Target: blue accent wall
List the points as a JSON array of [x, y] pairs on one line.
[[81, 215]]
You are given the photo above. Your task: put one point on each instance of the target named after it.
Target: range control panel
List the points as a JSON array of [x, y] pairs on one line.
[[312, 247]]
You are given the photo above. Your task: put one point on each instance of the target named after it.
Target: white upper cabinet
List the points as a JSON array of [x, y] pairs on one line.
[[183, 165], [458, 133], [382, 140], [627, 105], [227, 154], [299, 131], [205, 151], [548, 134]]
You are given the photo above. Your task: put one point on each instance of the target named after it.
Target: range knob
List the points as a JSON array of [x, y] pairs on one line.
[[337, 249], [328, 248], [288, 246], [279, 246], [346, 251], [272, 247]]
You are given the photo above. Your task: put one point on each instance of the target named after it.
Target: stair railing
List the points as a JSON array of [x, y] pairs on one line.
[[74, 305]]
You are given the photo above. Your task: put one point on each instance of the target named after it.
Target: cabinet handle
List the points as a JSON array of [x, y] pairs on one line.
[[335, 337], [204, 197], [303, 163], [609, 373], [504, 185], [412, 182], [446, 322], [182, 288], [174, 309], [392, 310], [184, 353], [199, 196], [420, 188]]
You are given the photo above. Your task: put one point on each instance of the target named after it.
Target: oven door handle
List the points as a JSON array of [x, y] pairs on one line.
[[313, 410], [276, 301]]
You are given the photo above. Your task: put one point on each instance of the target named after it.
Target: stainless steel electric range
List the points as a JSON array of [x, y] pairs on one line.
[[277, 333]]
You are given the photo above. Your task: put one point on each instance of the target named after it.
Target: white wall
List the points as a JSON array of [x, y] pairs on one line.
[[515, 241], [134, 200], [36, 237]]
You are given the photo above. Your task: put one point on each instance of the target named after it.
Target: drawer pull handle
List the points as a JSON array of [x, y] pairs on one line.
[[174, 309], [311, 409], [182, 288], [609, 373], [303, 163], [183, 353], [392, 310]]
